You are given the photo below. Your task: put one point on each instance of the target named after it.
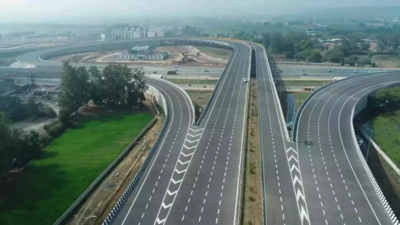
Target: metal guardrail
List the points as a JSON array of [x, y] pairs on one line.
[[215, 89], [296, 121], [78, 202], [138, 175]]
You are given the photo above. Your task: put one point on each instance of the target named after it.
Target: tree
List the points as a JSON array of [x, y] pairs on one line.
[[335, 55], [118, 86], [13, 107], [16, 148], [276, 43], [50, 112], [315, 56], [32, 107], [75, 88]]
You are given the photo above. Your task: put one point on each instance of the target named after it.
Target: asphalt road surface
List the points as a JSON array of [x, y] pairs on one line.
[[144, 202], [337, 185], [289, 70], [280, 205]]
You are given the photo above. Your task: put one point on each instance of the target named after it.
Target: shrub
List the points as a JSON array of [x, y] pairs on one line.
[[50, 112]]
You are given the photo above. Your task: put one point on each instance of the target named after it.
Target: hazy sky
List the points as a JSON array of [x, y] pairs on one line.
[[76, 11]]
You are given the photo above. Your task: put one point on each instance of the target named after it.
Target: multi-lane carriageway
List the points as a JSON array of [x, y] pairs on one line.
[[194, 175]]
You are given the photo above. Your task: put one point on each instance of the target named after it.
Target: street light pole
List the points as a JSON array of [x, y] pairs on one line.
[[198, 84], [369, 143]]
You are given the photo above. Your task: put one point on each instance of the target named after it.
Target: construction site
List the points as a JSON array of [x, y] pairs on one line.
[[157, 56]]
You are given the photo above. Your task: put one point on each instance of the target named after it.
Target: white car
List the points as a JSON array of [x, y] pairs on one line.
[[244, 80]]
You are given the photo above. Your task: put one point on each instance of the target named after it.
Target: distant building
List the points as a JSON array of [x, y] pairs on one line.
[[128, 33], [142, 53], [156, 32]]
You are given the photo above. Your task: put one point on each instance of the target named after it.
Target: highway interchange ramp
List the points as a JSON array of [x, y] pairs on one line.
[[319, 177]]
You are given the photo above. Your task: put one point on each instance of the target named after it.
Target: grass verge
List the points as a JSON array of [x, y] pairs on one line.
[[224, 54], [252, 196], [193, 81], [306, 83], [300, 97], [48, 186], [387, 134]]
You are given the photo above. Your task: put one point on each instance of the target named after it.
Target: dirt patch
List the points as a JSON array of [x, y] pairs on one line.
[[252, 193], [100, 203]]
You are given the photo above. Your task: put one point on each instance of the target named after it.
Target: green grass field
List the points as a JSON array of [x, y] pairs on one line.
[[192, 81], [387, 134], [315, 83], [216, 52], [48, 186], [300, 97]]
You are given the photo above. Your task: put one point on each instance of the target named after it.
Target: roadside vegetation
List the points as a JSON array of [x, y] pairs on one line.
[[306, 82], [339, 43], [386, 121], [300, 97], [252, 193], [40, 176], [216, 52], [199, 99], [193, 82], [50, 184]]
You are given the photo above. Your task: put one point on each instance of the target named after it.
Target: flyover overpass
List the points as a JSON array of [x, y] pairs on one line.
[[195, 175]]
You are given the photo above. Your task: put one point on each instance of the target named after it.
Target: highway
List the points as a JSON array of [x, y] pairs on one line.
[[338, 185], [144, 202], [194, 176], [209, 194]]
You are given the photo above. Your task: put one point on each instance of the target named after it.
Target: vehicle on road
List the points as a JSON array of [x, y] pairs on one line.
[[304, 74], [155, 72], [244, 80], [206, 71]]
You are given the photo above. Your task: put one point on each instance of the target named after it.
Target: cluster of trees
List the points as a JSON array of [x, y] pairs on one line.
[[115, 86], [17, 110], [16, 148], [295, 45], [386, 99], [300, 46]]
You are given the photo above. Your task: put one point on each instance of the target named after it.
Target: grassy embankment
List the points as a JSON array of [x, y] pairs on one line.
[[252, 195], [387, 134], [386, 129], [48, 186], [300, 97], [224, 54]]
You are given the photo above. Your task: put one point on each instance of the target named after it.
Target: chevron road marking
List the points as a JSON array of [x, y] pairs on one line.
[[158, 221], [186, 155], [192, 141], [193, 135], [188, 148], [183, 163], [166, 206], [179, 172], [171, 193], [296, 179], [175, 182], [191, 129]]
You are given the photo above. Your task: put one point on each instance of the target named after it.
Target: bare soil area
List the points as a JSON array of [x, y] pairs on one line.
[[179, 56]]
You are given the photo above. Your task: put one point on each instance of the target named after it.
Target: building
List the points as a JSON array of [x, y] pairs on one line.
[[142, 53], [128, 33], [156, 32]]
